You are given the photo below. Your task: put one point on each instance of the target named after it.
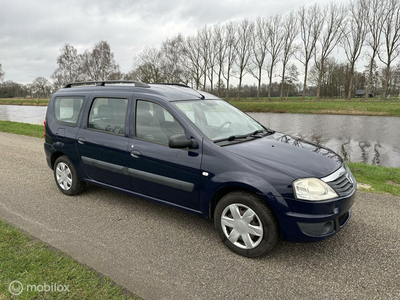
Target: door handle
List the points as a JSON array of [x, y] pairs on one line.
[[135, 153], [81, 141]]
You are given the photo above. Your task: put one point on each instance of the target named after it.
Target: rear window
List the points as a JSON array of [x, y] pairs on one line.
[[67, 110]]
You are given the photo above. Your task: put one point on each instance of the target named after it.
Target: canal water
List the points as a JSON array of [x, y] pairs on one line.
[[369, 139]]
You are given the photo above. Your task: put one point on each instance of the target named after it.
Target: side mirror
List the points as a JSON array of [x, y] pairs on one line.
[[181, 141]]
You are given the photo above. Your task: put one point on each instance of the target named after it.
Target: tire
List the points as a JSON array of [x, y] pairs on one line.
[[253, 237], [66, 177]]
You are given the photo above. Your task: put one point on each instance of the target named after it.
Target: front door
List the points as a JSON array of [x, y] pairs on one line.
[[166, 174]]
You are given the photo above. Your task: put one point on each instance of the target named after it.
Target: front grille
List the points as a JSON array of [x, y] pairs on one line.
[[341, 181], [342, 185]]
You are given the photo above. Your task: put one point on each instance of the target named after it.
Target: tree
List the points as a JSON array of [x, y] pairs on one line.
[[259, 51], [290, 32], [354, 33], [375, 18], [221, 48], [192, 62], [275, 41], [311, 22], [149, 65], [41, 87], [172, 53], [243, 49], [334, 16], [391, 37], [69, 66], [204, 39], [1, 73], [231, 44], [99, 64]]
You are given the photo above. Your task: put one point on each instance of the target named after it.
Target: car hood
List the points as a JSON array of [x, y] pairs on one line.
[[289, 155]]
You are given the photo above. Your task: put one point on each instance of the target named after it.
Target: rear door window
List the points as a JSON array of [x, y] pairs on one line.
[[67, 110], [108, 115]]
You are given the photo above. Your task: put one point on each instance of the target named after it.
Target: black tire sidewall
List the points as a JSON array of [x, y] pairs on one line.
[[267, 217], [76, 186]]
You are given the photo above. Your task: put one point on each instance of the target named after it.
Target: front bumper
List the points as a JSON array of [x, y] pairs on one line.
[[314, 221]]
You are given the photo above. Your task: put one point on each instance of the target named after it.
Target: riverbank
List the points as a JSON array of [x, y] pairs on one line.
[[331, 107], [378, 179], [24, 102], [371, 107]]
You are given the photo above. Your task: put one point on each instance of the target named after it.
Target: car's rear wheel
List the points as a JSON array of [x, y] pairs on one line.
[[246, 224], [66, 177]]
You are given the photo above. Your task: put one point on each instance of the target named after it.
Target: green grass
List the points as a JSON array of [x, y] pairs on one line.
[[22, 128], [32, 263], [24, 101], [381, 179], [339, 107]]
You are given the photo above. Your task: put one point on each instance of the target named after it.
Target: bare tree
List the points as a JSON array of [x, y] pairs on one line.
[[290, 32], [375, 18], [204, 40], [259, 51], [221, 47], [41, 87], [212, 58], [99, 64], [1, 73], [354, 33], [275, 42], [69, 66], [334, 16], [391, 36], [231, 44], [310, 22], [243, 49], [193, 60], [172, 50], [149, 65]]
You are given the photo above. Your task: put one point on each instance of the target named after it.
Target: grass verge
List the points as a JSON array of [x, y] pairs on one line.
[[22, 128], [23, 101], [32, 263], [381, 179], [366, 108]]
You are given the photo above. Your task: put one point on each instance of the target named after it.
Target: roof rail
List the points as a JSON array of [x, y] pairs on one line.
[[104, 82], [177, 84]]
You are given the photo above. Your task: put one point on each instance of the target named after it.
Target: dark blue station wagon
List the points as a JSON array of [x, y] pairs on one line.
[[190, 150]]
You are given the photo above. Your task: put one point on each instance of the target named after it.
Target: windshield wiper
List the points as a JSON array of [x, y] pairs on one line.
[[254, 134]]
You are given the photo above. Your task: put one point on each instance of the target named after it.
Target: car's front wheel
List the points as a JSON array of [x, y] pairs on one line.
[[66, 177], [246, 224]]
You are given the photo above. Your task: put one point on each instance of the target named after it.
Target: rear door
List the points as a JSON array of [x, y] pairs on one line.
[[166, 174], [102, 141]]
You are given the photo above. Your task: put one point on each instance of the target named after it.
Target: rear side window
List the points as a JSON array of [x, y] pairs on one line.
[[67, 110], [108, 115]]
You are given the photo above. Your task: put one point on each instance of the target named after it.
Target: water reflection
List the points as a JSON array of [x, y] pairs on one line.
[[295, 141], [368, 139]]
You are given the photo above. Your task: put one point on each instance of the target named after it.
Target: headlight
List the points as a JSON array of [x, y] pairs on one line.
[[313, 189]]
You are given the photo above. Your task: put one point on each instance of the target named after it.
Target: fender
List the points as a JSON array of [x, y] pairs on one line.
[[242, 180]]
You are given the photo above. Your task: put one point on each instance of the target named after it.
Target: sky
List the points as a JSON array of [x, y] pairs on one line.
[[33, 32]]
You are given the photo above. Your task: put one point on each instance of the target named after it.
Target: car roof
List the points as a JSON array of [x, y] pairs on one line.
[[167, 91]]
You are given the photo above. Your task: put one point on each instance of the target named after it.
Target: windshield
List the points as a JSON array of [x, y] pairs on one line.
[[217, 119]]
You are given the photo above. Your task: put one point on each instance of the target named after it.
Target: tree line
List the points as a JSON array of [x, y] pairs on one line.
[[282, 47]]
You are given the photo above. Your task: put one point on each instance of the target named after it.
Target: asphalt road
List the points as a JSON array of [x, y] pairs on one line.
[[161, 253]]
